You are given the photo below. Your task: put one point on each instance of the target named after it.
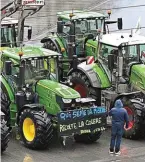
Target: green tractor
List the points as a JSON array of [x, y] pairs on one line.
[[9, 32], [40, 105], [76, 35], [119, 71]]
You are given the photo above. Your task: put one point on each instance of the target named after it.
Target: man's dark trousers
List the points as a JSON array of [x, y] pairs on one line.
[[116, 136]]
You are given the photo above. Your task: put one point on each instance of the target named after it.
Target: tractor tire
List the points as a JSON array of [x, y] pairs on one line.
[[35, 129], [50, 45], [82, 85], [5, 102], [4, 135], [136, 129], [87, 138]]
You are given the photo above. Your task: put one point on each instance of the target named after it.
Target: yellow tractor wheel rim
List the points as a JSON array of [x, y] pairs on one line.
[[29, 129]]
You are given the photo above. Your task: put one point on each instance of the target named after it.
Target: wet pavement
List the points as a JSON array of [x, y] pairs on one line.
[[132, 151]]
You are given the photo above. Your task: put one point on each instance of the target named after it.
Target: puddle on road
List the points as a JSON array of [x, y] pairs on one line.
[[28, 158]]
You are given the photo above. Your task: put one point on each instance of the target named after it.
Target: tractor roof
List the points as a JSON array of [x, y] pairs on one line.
[[9, 21], [79, 14], [29, 52], [118, 39]]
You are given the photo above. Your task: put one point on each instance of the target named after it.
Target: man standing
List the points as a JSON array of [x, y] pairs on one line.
[[119, 118]]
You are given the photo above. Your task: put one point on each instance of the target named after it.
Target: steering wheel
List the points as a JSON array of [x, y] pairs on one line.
[[133, 58], [41, 71]]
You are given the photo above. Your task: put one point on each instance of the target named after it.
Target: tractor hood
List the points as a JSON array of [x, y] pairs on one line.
[[138, 77], [61, 90]]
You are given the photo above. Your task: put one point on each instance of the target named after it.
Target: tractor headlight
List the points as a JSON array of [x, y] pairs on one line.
[[66, 100], [78, 99]]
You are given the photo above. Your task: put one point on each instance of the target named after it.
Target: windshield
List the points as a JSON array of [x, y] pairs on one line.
[[37, 69], [129, 53], [88, 26], [8, 36], [105, 50], [134, 52]]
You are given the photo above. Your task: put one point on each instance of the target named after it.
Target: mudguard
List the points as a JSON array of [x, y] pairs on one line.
[[44, 40], [96, 74], [89, 72], [30, 106], [129, 95]]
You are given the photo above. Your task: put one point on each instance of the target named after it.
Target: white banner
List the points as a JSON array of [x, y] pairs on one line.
[[33, 2]]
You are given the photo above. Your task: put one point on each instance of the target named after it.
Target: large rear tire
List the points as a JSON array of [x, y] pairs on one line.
[[82, 85], [35, 128], [4, 135], [5, 104], [136, 129], [87, 138], [50, 45]]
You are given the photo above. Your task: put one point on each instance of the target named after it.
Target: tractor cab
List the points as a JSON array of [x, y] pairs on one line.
[[79, 26], [122, 55], [82, 22], [29, 66], [8, 32]]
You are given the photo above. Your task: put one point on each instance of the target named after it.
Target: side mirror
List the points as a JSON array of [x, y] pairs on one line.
[[59, 27], [111, 62], [75, 62], [29, 33], [120, 23], [8, 67]]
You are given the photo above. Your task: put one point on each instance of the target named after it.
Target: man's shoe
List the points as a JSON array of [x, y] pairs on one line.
[[118, 153], [111, 151]]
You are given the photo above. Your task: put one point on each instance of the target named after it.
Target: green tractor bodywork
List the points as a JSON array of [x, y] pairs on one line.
[[77, 35], [137, 77], [45, 88], [35, 99], [120, 54], [124, 51], [80, 28], [77, 27]]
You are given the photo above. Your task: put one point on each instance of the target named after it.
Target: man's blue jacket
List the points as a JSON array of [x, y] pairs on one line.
[[119, 114]]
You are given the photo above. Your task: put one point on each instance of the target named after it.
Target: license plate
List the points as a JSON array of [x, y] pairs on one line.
[[81, 121]]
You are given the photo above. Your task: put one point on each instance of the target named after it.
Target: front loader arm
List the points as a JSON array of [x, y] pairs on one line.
[[24, 14], [10, 8]]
